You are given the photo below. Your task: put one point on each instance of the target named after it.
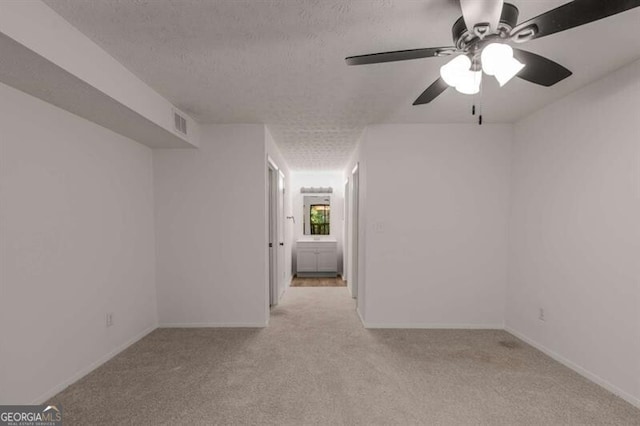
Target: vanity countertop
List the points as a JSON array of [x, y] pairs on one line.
[[312, 240]]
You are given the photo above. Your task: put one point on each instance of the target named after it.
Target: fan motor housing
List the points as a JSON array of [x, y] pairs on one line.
[[464, 38]]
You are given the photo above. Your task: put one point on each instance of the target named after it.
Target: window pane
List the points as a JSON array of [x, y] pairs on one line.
[[319, 218]]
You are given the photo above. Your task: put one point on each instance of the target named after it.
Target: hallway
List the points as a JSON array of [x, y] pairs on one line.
[[316, 364]]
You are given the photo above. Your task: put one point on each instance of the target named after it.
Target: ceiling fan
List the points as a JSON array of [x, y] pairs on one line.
[[483, 36]]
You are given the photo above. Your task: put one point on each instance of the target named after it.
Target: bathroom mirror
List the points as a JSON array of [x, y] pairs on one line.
[[317, 214]]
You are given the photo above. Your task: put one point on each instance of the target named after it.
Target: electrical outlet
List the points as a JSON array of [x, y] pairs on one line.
[[541, 315], [109, 319]]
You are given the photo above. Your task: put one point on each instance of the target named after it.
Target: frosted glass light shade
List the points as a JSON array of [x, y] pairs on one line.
[[452, 71], [507, 71], [497, 60], [457, 73], [494, 56], [469, 82]]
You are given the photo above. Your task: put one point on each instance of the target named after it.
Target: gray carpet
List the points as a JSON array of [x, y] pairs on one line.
[[316, 364]]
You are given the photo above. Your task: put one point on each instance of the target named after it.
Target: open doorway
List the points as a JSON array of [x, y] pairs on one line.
[[318, 249]]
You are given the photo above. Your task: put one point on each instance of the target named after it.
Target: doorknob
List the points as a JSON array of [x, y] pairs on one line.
[[281, 244]]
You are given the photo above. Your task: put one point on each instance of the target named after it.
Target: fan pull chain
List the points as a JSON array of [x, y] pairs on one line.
[[480, 106]]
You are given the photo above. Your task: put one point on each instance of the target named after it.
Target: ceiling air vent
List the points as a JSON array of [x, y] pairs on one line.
[[180, 123]]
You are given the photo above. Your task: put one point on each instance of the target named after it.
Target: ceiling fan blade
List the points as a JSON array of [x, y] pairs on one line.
[[570, 15], [432, 92], [540, 70], [477, 12], [399, 55]]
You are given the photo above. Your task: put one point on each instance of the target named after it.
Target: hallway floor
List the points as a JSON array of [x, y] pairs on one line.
[[316, 364], [318, 282]]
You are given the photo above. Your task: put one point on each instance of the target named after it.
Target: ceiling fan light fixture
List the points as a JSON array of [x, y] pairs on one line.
[[494, 56], [454, 70], [507, 71], [469, 82], [485, 23], [497, 60], [457, 73]]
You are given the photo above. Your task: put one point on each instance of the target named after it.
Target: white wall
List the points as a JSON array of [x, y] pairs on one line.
[[575, 231], [334, 179], [77, 241], [436, 224], [36, 26], [210, 229]]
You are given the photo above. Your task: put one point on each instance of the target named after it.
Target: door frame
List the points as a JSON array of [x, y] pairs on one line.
[[354, 276], [346, 261], [282, 235], [272, 231]]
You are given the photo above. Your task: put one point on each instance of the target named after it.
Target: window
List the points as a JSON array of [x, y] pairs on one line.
[[319, 218]]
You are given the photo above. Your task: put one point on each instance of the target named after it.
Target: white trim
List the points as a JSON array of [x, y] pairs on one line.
[[351, 293], [360, 316], [355, 168], [578, 369], [88, 369], [272, 163], [435, 326], [215, 325]]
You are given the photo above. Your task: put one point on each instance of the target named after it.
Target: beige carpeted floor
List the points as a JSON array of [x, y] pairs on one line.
[[316, 364]]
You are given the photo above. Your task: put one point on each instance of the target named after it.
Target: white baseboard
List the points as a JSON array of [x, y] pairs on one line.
[[360, 316], [214, 325], [350, 288], [88, 369], [578, 369], [435, 326]]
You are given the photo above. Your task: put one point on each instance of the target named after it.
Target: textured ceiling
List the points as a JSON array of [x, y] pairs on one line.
[[281, 62]]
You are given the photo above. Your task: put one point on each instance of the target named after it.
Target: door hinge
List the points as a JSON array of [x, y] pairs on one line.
[[270, 245]]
